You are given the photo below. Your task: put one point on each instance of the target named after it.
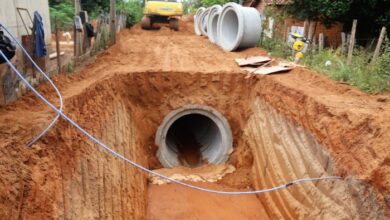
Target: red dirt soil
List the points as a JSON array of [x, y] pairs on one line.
[[353, 126]]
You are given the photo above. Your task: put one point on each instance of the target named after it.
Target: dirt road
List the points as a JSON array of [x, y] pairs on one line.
[[352, 126]]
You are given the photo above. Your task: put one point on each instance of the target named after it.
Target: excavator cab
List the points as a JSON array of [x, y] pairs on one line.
[[162, 11]]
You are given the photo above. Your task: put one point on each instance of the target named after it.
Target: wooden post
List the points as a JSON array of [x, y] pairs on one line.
[[77, 9], [343, 43], [352, 42], [321, 42], [311, 30], [112, 22], [305, 27], [314, 44], [379, 44], [285, 28], [57, 46]]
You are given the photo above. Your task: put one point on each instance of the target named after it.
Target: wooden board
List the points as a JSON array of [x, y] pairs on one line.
[[268, 70], [255, 60]]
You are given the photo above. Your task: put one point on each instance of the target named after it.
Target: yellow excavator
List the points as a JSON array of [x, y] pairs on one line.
[[162, 11]]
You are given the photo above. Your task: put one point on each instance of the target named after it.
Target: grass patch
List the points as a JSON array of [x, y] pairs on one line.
[[369, 77]]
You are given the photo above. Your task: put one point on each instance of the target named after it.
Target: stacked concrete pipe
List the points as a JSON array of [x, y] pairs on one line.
[[232, 27], [197, 17], [212, 23], [203, 21]]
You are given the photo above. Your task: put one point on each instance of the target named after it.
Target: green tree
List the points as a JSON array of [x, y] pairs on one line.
[[326, 11], [133, 8]]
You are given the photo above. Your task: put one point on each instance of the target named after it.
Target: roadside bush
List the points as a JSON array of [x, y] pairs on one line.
[[134, 10], [64, 13], [371, 78]]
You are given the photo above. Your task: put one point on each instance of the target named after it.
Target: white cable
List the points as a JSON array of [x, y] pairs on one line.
[[120, 156], [48, 79]]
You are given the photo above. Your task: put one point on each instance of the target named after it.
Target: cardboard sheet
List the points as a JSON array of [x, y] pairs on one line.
[[255, 60], [268, 70]]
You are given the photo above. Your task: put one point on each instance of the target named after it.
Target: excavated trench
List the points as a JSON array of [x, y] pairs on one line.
[[170, 119]]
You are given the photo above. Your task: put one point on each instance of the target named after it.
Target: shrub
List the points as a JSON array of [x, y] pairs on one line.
[[64, 13], [133, 9], [371, 78]]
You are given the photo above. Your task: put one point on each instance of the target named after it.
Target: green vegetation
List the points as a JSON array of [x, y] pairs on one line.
[[369, 77], [319, 10], [64, 13], [64, 10], [208, 3], [374, 77], [134, 10], [372, 15]]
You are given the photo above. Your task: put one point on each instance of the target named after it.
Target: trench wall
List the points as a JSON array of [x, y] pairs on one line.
[[284, 151], [66, 176]]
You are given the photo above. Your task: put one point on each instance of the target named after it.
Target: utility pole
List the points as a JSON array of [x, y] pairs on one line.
[[112, 22]]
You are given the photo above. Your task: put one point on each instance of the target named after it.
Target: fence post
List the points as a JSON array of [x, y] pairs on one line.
[[321, 42], [379, 44], [343, 43], [352, 42], [305, 27], [57, 46], [112, 22]]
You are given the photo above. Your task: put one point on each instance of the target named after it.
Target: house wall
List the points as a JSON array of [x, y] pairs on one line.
[[11, 87], [332, 34], [10, 18]]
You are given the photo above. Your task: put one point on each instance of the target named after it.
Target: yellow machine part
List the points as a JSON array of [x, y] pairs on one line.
[[164, 8], [298, 45]]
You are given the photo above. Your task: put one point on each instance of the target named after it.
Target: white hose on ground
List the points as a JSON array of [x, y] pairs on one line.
[[51, 124], [197, 19], [212, 23], [120, 156], [238, 27]]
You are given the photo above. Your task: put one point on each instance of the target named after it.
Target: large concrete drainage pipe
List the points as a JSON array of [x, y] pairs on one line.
[[204, 17], [238, 27], [197, 19], [192, 135], [212, 23]]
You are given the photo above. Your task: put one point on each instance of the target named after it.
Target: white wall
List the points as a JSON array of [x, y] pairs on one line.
[[10, 18]]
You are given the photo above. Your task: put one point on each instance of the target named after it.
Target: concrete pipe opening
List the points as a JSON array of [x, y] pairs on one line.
[[238, 27], [193, 135], [212, 24]]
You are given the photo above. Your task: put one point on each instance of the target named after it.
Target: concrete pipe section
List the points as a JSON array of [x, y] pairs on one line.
[[197, 19], [212, 23], [193, 135], [238, 27], [204, 17]]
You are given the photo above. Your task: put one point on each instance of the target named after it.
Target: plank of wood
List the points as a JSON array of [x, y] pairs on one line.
[[255, 60], [54, 55], [268, 70]]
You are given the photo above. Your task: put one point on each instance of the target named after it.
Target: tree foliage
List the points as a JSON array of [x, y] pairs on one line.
[[134, 11], [326, 11], [208, 3], [64, 13]]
